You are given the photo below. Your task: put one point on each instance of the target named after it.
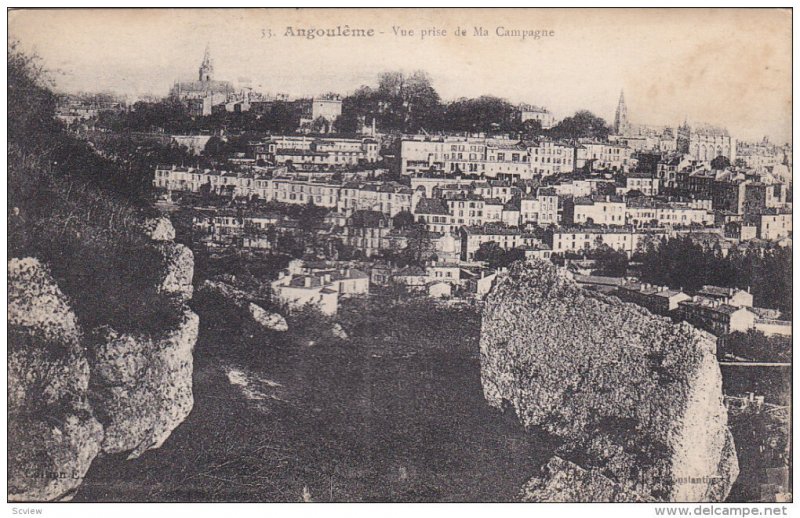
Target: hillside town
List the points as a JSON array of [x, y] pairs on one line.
[[440, 213], [320, 217]]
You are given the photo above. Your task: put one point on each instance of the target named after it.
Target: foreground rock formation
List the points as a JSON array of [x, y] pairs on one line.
[[76, 393], [636, 398]]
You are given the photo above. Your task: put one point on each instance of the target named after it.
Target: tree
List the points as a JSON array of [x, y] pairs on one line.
[[403, 219], [610, 262], [721, 162], [584, 124], [419, 248], [497, 257]]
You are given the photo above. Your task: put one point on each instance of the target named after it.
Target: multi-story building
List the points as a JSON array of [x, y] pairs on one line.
[[642, 182], [548, 157], [597, 210], [540, 208], [506, 238], [658, 299], [492, 158], [311, 151], [647, 212], [585, 239], [716, 317], [706, 142], [604, 155], [771, 224]]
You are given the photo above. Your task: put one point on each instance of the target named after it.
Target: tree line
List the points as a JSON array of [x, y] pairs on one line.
[[399, 103]]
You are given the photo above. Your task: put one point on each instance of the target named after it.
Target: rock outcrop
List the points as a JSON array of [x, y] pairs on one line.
[[565, 481], [635, 398], [142, 386], [53, 436], [74, 394], [244, 300]]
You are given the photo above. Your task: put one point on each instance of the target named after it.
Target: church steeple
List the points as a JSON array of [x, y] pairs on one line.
[[621, 124], [207, 67]]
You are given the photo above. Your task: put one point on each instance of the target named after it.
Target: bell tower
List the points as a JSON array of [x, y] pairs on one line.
[[206, 68]]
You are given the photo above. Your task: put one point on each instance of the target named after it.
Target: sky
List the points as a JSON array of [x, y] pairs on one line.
[[728, 67]]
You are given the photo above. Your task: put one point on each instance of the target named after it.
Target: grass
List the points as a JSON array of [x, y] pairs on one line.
[[394, 413]]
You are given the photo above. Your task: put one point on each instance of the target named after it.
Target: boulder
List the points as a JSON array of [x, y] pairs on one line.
[[271, 321], [630, 394], [159, 229], [52, 434], [564, 481], [141, 386], [178, 270]]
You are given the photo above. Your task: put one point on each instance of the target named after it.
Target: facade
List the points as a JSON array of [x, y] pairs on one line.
[[540, 208], [643, 212], [597, 210], [507, 238], [317, 152], [549, 157], [771, 224], [584, 239], [716, 317], [706, 143]]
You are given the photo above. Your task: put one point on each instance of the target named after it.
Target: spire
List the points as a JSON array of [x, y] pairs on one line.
[[207, 67], [621, 125]]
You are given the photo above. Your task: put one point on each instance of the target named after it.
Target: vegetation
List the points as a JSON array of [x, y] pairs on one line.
[[756, 346], [78, 211], [682, 263], [496, 256], [393, 413]]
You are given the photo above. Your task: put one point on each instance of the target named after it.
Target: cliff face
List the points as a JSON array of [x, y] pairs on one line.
[[75, 393], [636, 398]]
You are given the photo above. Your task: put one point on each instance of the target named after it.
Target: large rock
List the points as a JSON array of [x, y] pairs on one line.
[[52, 435], [142, 386], [631, 394], [159, 229], [271, 321], [565, 481], [178, 270]]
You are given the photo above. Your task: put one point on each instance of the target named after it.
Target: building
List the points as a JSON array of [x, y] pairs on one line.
[[536, 113], [540, 208], [706, 142], [771, 224], [648, 212], [578, 240], [604, 155], [621, 124], [202, 95], [549, 157], [658, 299], [320, 289], [597, 210], [506, 238], [489, 157], [312, 152], [642, 182], [730, 296], [716, 317]]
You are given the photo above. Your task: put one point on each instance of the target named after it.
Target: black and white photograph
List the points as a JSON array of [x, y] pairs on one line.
[[399, 255]]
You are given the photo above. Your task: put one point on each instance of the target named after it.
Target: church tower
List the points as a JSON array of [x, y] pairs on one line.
[[206, 68], [621, 124]]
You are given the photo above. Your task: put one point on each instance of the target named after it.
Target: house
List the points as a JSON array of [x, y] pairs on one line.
[[658, 299], [716, 317], [301, 285], [732, 296]]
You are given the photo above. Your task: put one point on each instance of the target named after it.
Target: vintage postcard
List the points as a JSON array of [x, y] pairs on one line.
[[400, 255]]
